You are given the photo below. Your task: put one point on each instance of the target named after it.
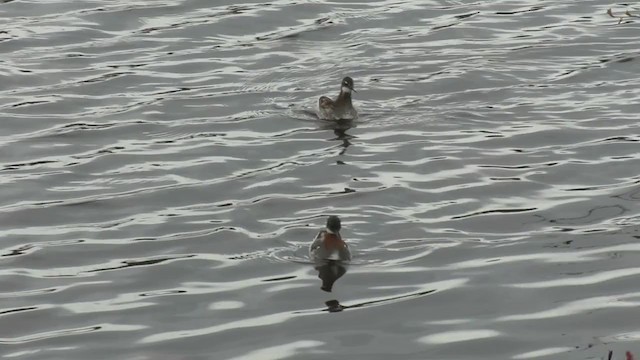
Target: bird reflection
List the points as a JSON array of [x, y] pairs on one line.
[[329, 272], [334, 306], [340, 128], [342, 135]]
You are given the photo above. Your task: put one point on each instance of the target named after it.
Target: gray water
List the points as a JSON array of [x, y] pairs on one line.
[[162, 175]]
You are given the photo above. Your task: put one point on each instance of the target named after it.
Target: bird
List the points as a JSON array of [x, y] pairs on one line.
[[328, 244], [341, 108]]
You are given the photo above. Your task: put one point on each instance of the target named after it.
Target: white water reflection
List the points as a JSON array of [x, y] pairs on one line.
[[459, 336]]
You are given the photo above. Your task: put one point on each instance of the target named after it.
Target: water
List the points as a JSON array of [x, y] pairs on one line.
[[162, 177]]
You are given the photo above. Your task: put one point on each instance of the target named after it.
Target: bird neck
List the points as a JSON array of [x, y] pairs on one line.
[[333, 241], [345, 96]]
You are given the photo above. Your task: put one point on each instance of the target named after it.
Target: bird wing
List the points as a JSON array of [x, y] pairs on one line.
[[345, 252], [316, 243]]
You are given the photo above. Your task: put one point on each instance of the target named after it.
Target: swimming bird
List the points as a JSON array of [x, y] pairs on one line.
[[328, 244], [341, 108]]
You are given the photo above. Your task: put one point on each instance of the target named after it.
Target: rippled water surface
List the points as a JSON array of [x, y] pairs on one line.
[[162, 175]]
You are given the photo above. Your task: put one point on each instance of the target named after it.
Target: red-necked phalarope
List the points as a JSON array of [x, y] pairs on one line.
[[341, 108], [328, 244]]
